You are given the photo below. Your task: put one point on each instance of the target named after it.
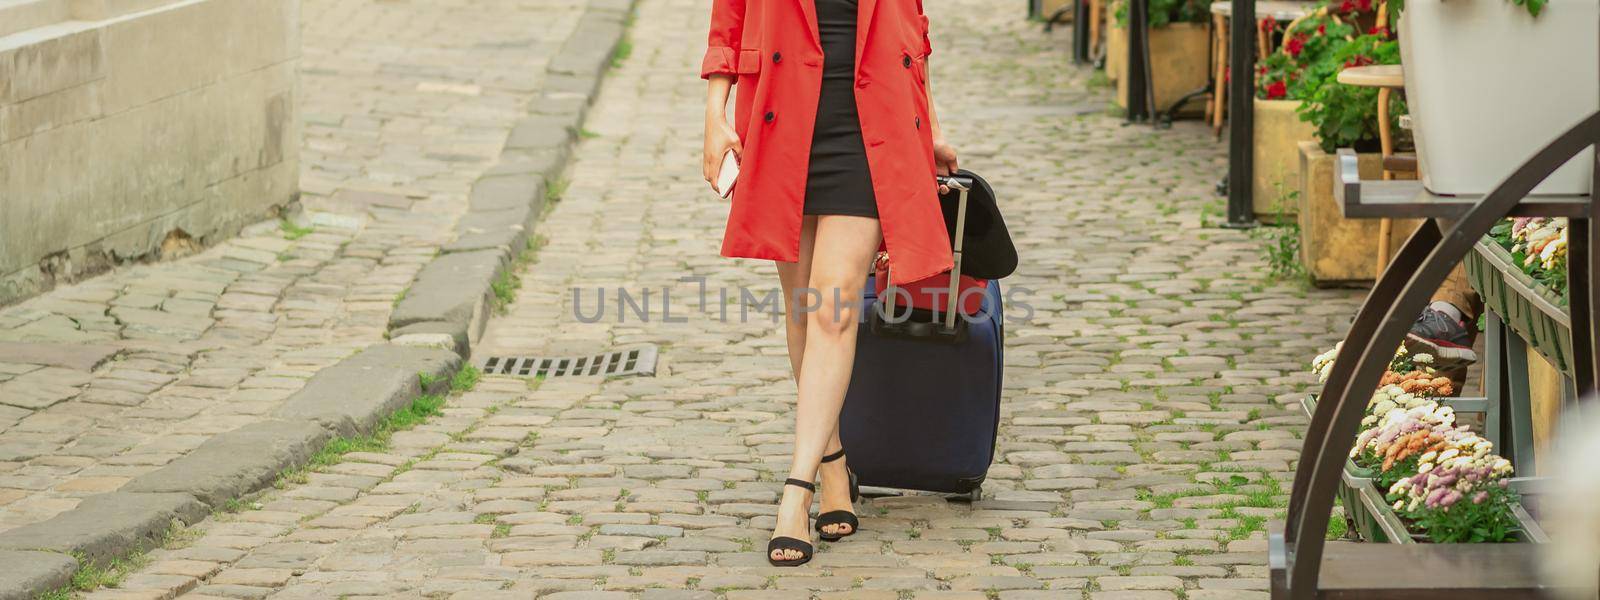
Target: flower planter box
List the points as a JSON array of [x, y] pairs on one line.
[[1335, 250], [1545, 73], [1532, 310], [1278, 133], [1180, 56], [1372, 519]]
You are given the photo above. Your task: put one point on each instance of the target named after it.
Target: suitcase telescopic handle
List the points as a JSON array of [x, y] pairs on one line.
[[961, 185], [961, 189]]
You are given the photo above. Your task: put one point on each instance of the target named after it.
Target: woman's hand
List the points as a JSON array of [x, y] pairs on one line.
[[944, 161], [720, 138]]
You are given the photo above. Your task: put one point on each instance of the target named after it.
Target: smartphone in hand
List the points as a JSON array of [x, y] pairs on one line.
[[729, 174]]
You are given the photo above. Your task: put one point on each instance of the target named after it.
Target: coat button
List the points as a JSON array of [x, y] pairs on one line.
[[906, 60], [918, 121], [777, 57], [770, 116]]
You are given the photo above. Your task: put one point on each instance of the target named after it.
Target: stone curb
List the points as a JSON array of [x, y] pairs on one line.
[[353, 396], [455, 290], [236, 462], [450, 298], [105, 526], [28, 570]]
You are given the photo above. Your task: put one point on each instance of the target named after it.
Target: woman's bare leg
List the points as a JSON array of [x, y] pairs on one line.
[[795, 278], [835, 490], [843, 248]]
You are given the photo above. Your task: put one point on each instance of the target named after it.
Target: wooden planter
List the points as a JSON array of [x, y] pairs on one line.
[[1335, 250], [1180, 56], [1539, 317], [1535, 312], [1372, 519], [1278, 133]]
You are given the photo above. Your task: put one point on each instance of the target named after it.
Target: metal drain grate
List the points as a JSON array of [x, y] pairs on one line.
[[620, 363]]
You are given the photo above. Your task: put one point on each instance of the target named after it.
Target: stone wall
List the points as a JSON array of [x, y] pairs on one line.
[[135, 129]]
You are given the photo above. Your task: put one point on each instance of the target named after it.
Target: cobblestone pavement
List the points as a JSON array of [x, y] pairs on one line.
[[1148, 412], [404, 104]]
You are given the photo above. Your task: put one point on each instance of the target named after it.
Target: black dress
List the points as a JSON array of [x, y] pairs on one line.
[[838, 181]]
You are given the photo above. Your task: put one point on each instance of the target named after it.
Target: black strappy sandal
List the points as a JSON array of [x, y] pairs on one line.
[[789, 543], [840, 517]]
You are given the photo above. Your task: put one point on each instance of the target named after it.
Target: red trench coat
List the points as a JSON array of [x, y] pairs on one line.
[[773, 48]]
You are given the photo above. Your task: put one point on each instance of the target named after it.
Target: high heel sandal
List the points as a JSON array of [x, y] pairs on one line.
[[788, 543], [840, 517]]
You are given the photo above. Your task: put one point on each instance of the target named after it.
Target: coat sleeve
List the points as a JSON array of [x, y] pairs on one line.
[[722, 45], [922, 21]]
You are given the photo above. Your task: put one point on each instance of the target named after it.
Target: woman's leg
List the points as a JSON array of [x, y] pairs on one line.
[[843, 249], [795, 278], [835, 490]]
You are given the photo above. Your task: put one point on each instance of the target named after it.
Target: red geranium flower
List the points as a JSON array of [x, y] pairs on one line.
[[1277, 90], [1358, 61], [1348, 6], [1295, 45]]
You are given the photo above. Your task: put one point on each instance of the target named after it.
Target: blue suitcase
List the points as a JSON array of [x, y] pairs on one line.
[[923, 409]]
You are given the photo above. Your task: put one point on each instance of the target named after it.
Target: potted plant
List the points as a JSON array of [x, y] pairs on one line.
[[1180, 50], [1490, 82], [1335, 250], [1280, 91]]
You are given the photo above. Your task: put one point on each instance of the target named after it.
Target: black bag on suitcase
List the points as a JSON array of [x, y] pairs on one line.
[[923, 408]]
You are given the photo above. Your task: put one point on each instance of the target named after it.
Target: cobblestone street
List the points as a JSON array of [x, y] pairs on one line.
[[1153, 367]]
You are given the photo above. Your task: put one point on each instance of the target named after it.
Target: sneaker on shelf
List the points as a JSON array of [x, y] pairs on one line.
[[1443, 336]]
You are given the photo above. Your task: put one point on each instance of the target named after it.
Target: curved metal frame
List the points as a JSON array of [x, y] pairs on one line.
[[1380, 326]]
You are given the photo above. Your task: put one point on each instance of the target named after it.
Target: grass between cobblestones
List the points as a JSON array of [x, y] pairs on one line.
[[1281, 240], [419, 410], [506, 284], [624, 47], [293, 232], [92, 577]]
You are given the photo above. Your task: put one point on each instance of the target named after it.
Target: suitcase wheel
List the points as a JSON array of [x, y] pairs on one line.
[[975, 495]]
